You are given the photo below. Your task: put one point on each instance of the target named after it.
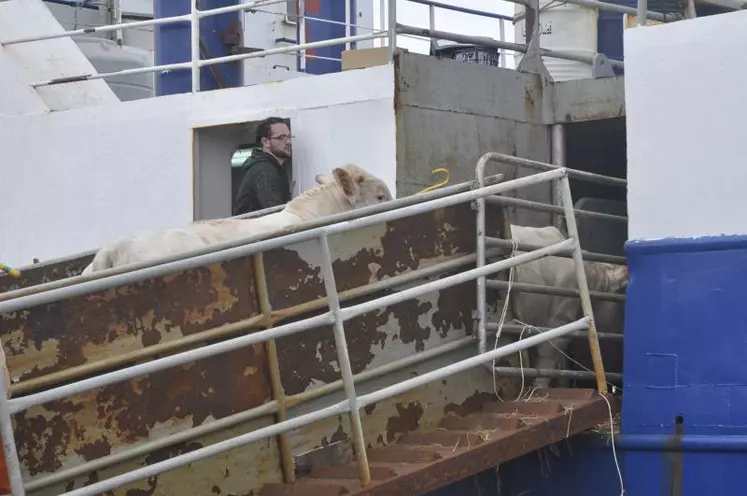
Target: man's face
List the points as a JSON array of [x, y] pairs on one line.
[[279, 142]]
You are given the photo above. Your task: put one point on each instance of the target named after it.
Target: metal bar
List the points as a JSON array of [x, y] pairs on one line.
[[502, 37], [269, 408], [12, 463], [343, 358], [209, 451], [388, 368], [20, 404], [132, 356], [195, 45], [431, 17], [570, 220], [464, 10], [561, 374], [276, 385], [141, 24], [543, 207], [347, 23], [208, 62], [481, 244], [623, 9], [641, 11], [552, 290], [492, 43], [518, 329], [558, 159], [544, 166], [588, 255], [240, 248], [392, 27], [302, 33], [344, 216], [469, 363], [461, 278]]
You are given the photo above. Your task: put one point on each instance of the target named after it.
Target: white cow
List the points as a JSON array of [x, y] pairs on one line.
[[555, 311], [349, 187]]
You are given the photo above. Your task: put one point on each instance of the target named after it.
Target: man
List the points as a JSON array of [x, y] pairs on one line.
[[265, 183]]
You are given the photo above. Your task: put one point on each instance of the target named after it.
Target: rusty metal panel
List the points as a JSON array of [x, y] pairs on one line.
[[40, 273], [588, 99], [93, 327]]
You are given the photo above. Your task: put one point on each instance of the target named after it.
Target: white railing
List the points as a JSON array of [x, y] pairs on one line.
[[335, 316], [390, 32]]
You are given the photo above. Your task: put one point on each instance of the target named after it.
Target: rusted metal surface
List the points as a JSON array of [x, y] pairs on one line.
[[46, 272], [87, 329], [424, 460]]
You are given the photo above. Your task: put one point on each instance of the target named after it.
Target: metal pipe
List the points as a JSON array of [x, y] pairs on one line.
[[552, 290], [347, 23], [469, 363], [273, 364], [325, 221], [502, 37], [641, 12], [141, 24], [518, 329], [623, 9], [343, 358], [220, 252], [543, 207], [480, 245], [268, 408], [20, 404], [195, 45], [558, 159], [461, 278], [560, 374], [431, 17], [388, 368], [492, 43], [302, 34], [570, 220], [209, 451], [205, 63], [133, 356], [588, 255], [534, 164], [12, 463], [392, 28], [455, 8]]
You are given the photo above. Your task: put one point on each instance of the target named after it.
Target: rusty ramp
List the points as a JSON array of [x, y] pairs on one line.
[[462, 446]]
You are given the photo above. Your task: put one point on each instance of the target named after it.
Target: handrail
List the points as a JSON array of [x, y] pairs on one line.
[[336, 316], [393, 28]]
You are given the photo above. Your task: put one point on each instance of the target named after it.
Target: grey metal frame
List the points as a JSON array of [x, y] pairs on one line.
[[336, 316]]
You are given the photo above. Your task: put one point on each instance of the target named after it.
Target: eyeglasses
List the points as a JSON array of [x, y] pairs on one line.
[[282, 137]]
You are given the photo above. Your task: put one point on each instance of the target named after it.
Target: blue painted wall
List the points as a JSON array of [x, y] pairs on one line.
[[172, 45], [684, 414], [333, 10]]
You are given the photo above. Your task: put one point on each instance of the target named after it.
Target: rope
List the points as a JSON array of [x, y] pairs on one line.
[[437, 185]]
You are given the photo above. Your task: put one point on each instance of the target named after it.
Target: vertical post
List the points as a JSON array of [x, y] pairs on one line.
[[431, 17], [481, 305], [531, 19], [344, 361], [642, 8], [12, 462], [558, 158], [392, 27], [347, 23], [302, 34], [195, 45], [502, 34], [117, 13], [583, 287], [278, 394]]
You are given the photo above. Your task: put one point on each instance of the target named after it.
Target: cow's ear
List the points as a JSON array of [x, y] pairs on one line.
[[345, 181]]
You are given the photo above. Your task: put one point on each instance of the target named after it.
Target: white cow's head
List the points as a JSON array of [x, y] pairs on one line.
[[359, 187]]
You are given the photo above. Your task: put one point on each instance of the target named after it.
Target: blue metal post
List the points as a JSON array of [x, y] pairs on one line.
[[172, 45]]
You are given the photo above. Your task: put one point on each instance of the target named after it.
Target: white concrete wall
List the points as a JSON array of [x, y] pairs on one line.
[[685, 104], [73, 180]]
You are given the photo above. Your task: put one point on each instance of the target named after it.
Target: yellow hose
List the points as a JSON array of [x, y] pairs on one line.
[[438, 185]]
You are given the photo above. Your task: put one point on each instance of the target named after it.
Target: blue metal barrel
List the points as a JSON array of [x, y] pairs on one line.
[[172, 45], [332, 10]]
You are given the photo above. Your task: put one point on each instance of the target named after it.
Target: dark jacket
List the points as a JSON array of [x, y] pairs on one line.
[[265, 183]]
